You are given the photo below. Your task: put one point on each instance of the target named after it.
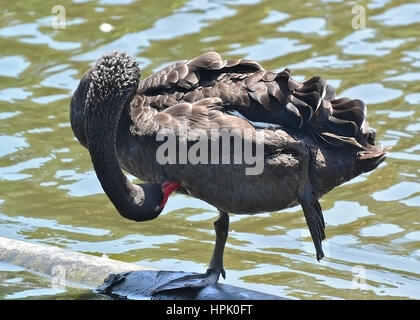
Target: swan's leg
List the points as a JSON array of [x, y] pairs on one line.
[[212, 275], [311, 208], [221, 226]]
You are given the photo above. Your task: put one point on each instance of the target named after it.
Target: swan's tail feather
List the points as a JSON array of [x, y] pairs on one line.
[[372, 157], [336, 121]]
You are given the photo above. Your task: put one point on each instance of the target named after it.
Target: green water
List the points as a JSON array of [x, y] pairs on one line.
[[49, 193]]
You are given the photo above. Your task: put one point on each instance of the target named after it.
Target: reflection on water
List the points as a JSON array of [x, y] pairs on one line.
[[49, 193]]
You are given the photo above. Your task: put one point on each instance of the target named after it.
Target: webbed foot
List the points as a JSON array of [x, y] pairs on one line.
[[192, 281]]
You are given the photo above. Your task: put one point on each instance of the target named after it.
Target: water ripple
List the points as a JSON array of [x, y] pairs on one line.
[[12, 66], [404, 15], [372, 93], [306, 25], [269, 49], [356, 44], [11, 144]]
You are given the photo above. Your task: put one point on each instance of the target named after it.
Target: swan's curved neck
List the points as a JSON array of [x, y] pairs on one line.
[[101, 128]]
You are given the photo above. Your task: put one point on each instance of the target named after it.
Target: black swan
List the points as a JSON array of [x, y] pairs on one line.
[[312, 142]]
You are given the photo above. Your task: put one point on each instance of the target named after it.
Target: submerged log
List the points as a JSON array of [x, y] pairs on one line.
[[75, 267], [122, 280], [141, 285]]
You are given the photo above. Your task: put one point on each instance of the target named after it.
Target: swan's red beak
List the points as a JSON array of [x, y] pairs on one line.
[[167, 188]]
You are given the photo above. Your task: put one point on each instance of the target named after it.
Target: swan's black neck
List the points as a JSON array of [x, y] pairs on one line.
[[113, 83]]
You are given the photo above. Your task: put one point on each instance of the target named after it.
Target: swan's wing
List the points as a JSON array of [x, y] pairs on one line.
[[203, 71], [206, 76], [198, 119], [203, 115], [246, 89]]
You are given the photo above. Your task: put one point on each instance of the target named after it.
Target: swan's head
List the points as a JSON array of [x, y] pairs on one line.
[[115, 75], [154, 196], [150, 197]]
